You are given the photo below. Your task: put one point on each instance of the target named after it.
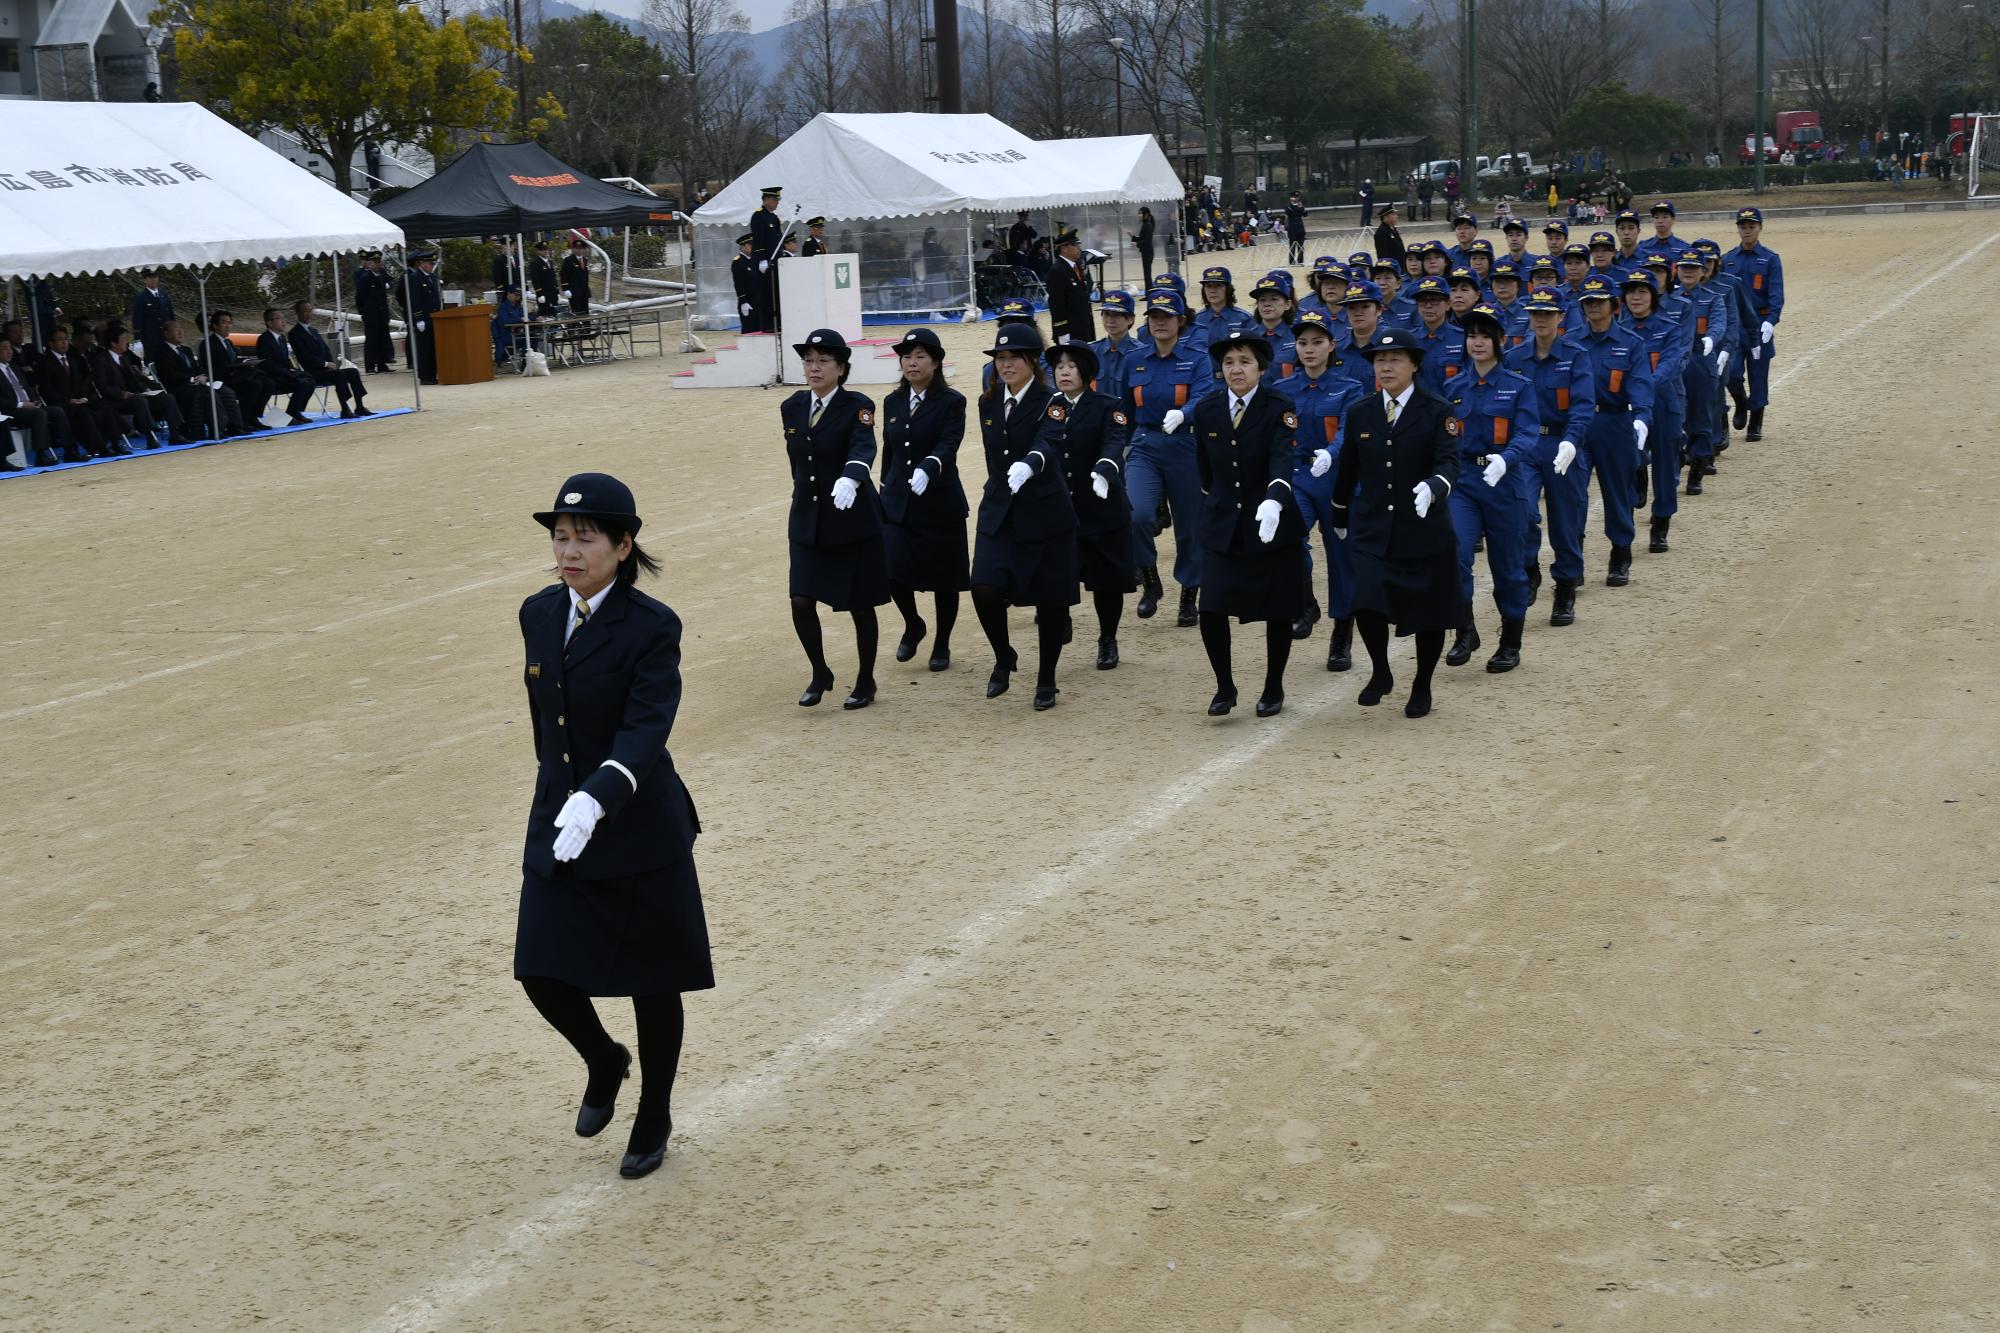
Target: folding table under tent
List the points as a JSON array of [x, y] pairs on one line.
[[104, 187], [914, 196]]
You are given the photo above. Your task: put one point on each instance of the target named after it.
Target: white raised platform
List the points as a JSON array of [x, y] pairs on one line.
[[752, 360]]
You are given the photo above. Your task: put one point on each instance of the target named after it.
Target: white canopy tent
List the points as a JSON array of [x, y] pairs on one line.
[[100, 187], [916, 196]]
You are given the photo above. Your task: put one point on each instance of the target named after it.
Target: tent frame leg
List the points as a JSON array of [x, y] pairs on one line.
[[410, 328], [214, 397]]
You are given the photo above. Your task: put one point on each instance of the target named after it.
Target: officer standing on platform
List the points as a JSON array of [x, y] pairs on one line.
[[423, 299], [1762, 274], [743, 275], [765, 229], [815, 243], [371, 298], [1069, 293]]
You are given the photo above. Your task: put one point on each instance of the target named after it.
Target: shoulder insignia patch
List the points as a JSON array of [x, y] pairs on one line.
[[1291, 421], [867, 417], [1057, 412], [1451, 426], [1121, 418]]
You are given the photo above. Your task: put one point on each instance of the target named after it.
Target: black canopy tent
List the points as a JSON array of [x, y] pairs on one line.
[[497, 189]]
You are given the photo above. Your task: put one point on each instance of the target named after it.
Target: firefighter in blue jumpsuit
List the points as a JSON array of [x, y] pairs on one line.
[[1506, 287], [1162, 384], [1763, 277], [1119, 343], [1565, 399], [1321, 394], [1708, 314], [1219, 315], [1665, 356], [1624, 418], [1729, 354], [1272, 299], [1440, 339], [1662, 241], [1498, 425]]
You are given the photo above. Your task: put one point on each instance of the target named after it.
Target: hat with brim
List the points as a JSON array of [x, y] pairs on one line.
[[1166, 301], [596, 494], [1664, 206], [1744, 215], [771, 191], [1514, 224], [745, 238], [1313, 320], [815, 222], [1484, 318], [829, 341], [1392, 340], [1020, 339], [1241, 338], [1086, 357], [419, 256], [1597, 289], [923, 338]]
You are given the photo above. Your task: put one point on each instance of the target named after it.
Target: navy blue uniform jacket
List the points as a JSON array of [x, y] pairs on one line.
[[928, 440], [1041, 508], [1379, 468], [614, 698], [841, 445]]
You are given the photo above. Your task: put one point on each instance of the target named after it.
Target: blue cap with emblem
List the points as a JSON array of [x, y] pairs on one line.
[[1603, 240], [1171, 281], [1544, 301], [1313, 319], [1277, 281], [1480, 246], [1431, 287], [1014, 310], [1514, 224], [1744, 215], [1596, 289], [1118, 303], [1577, 250], [1463, 277], [1555, 229], [1321, 263], [1216, 273], [1542, 264], [1663, 206], [1165, 301], [1361, 291], [1484, 318], [1506, 268]]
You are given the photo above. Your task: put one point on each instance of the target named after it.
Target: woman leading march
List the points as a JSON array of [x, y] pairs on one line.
[[610, 904]]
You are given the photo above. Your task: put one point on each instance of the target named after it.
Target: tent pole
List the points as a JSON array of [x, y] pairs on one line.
[[34, 313], [971, 273], [214, 405], [628, 253], [410, 328], [339, 315], [689, 343]]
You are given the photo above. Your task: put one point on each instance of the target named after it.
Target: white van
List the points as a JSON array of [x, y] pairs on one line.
[[1443, 167]]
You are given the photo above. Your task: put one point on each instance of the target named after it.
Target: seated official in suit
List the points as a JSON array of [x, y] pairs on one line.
[[221, 364], [107, 371], [316, 359], [66, 385], [21, 407], [220, 413], [274, 358], [140, 379]]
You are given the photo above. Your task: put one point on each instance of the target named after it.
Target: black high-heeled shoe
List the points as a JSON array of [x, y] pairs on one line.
[[647, 1147], [906, 647], [940, 659], [815, 692], [996, 684], [591, 1119], [1223, 701], [860, 697]]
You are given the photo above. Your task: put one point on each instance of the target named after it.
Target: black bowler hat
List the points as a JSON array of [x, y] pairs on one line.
[[1392, 340], [1085, 354], [597, 494], [1241, 338], [826, 340], [923, 338], [1024, 339]]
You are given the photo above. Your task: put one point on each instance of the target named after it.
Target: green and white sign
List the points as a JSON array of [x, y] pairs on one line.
[[842, 277]]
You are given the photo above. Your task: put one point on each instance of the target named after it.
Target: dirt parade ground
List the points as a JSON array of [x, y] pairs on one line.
[[1648, 987]]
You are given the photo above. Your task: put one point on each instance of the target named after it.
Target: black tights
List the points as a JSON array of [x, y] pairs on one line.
[[1374, 630], [1110, 606], [1052, 627], [660, 1020], [1277, 651], [944, 607], [805, 620]]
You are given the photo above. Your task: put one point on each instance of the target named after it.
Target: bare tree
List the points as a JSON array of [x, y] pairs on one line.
[[1531, 48], [888, 62], [1822, 63], [1714, 71], [706, 42], [1048, 67], [818, 68], [988, 50], [1162, 43]]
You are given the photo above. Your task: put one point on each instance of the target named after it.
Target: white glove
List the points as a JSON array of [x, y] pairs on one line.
[[1707, 346], [1100, 486], [422, 325], [1322, 462], [1017, 477], [1765, 329], [577, 820], [1639, 433], [1268, 514], [1565, 455], [1340, 533], [1496, 468], [1422, 490], [920, 481], [745, 308], [844, 492], [1171, 422], [1754, 350], [763, 266], [1722, 362]]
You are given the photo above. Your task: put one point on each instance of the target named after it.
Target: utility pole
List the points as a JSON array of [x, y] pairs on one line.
[[1757, 131], [1210, 166], [1468, 139], [1883, 29], [520, 74]]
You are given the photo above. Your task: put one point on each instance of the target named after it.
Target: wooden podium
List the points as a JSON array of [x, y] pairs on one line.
[[463, 337]]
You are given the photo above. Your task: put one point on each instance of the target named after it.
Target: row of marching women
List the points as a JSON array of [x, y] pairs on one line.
[[1372, 438]]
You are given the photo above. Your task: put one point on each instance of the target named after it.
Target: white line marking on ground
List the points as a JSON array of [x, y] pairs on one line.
[[437, 1304], [331, 626]]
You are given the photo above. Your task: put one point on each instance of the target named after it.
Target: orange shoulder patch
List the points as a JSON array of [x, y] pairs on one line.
[[1121, 418], [1057, 412], [867, 417], [1451, 426], [1291, 421]]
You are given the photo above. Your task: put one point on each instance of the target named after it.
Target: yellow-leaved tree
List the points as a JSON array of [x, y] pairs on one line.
[[342, 73]]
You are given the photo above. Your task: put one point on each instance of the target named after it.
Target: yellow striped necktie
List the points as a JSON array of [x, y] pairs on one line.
[[1236, 417], [582, 614], [818, 407], [1394, 408]]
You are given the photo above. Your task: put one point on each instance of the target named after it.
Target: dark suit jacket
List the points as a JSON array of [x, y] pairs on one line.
[[220, 362], [542, 277], [60, 381], [1242, 466], [1379, 468], [1069, 303], [1090, 437], [311, 348], [1041, 509], [929, 441], [425, 294], [614, 696], [109, 375], [576, 276], [275, 354], [9, 400], [176, 369], [842, 445]]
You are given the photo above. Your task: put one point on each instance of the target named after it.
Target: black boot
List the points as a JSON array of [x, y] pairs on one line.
[[1466, 642], [1756, 431], [1620, 572], [1302, 628], [1564, 611], [1534, 582], [1107, 654], [1508, 656], [1741, 416], [1696, 467], [1658, 544], [1188, 615], [1150, 592], [1340, 652]]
